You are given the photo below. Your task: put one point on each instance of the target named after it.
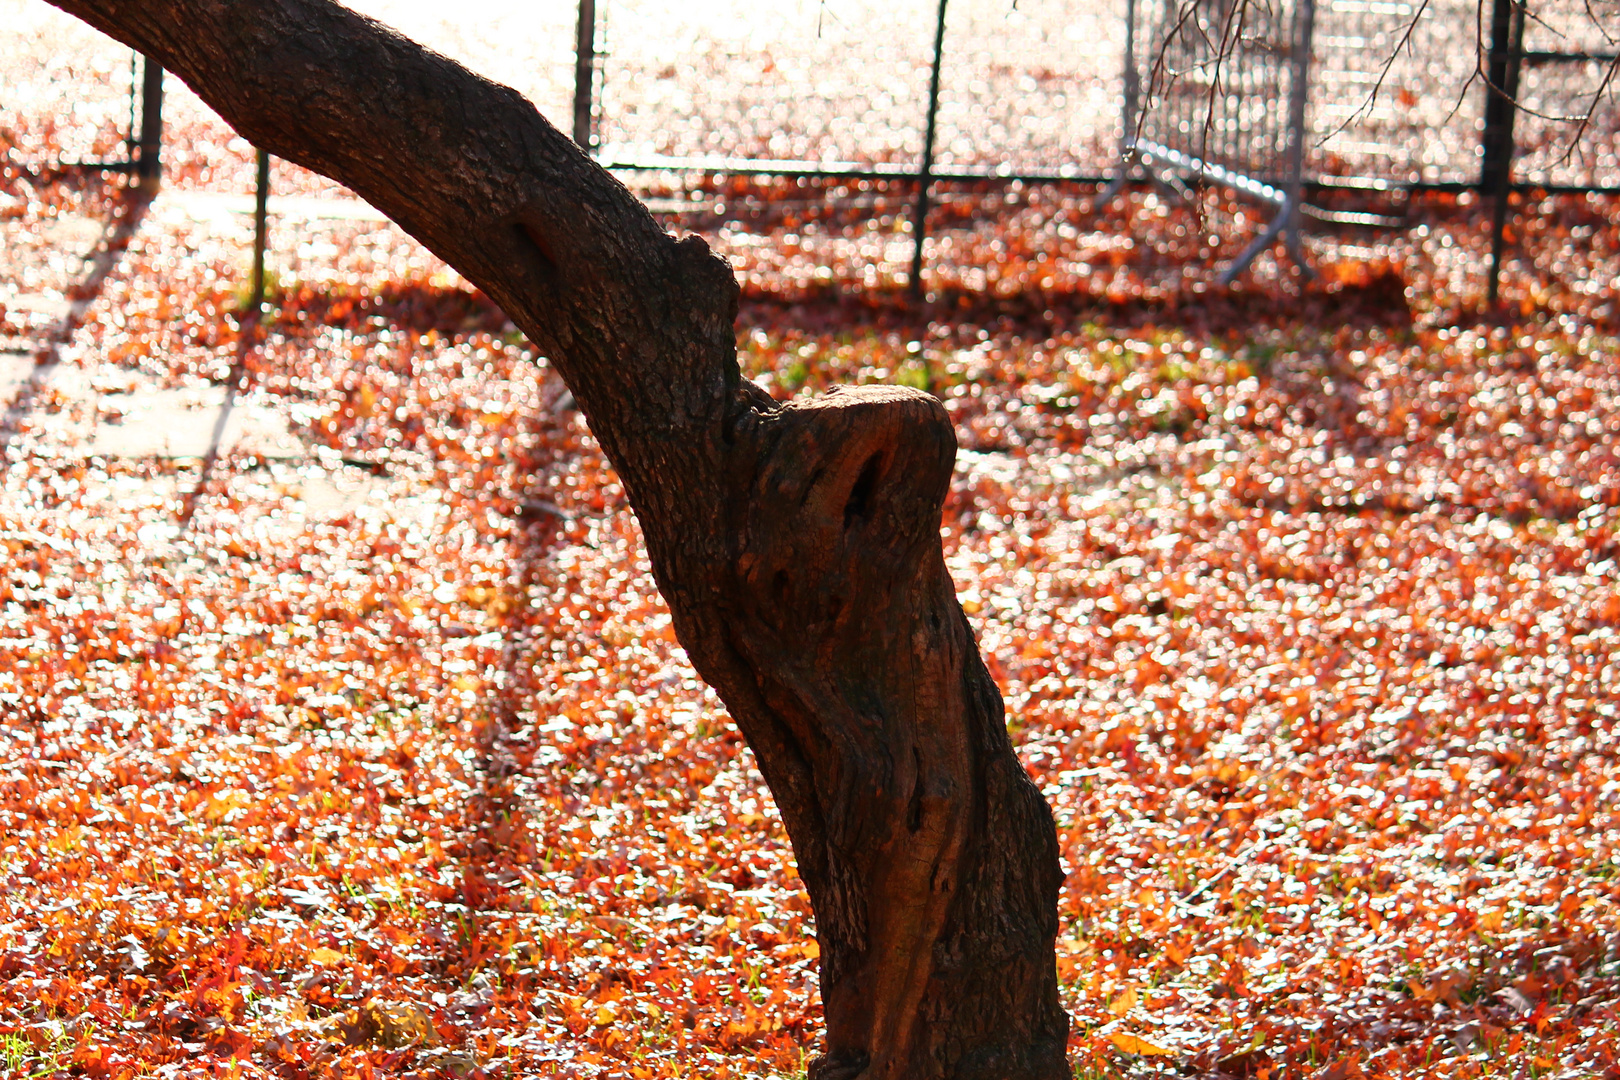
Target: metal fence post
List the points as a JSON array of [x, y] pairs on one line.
[[584, 69], [1501, 108], [1133, 84], [261, 213], [1298, 99], [1499, 96], [1127, 136], [925, 174], [131, 140], [148, 164], [1287, 222]]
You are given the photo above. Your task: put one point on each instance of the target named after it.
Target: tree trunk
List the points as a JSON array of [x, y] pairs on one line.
[[797, 545]]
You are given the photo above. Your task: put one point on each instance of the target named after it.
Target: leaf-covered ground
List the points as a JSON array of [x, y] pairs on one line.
[[380, 759]]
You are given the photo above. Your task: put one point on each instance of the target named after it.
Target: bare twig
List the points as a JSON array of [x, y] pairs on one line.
[[1221, 39], [1597, 21], [1482, 72], [1597, 98], [1367, 106]]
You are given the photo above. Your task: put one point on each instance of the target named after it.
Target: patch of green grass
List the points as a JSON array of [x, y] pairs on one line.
[[914, 375], [21, 1057], [273, 289]]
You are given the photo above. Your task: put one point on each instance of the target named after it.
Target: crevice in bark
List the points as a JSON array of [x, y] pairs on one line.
[[914, 813], [860, 495], [547, 262]]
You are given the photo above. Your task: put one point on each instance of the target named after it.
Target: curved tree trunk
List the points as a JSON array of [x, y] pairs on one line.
[[797, 545]]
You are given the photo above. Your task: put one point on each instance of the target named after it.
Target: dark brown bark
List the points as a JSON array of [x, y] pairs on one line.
[[798, 546]]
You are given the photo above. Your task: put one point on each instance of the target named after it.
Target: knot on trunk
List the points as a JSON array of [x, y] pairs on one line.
[[846, 496]]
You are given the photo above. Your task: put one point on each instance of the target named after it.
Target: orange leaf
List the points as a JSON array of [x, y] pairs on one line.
[[1132, 1044], [1125, 1002]]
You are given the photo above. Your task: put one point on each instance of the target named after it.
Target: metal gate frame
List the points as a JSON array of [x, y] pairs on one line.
[[1142, 159], [1154, 159]]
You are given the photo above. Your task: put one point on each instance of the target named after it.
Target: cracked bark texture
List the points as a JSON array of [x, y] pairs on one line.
[[797, 545]]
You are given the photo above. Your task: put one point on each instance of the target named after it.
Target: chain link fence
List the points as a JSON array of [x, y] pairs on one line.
[[1398, 90], [1273, 98], [1391, 99], [1568, 71], [1029, 88]]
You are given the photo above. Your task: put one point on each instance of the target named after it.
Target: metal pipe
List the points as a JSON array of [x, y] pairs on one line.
[[1133, 84], [148, 164], [1501, 180], [261, 214], [919, 217], [129, 132], [584, 72], [1498, 99], [1286, 224], [1542, 57], [846, 170], [1128, 163], [1298, 98]]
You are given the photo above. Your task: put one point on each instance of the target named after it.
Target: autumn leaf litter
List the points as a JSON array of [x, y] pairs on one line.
[[378, 756]]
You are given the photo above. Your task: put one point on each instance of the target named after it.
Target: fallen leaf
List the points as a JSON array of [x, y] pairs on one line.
[[1135, 1044]]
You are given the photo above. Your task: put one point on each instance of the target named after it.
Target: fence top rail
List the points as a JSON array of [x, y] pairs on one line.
[[880, 170]]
